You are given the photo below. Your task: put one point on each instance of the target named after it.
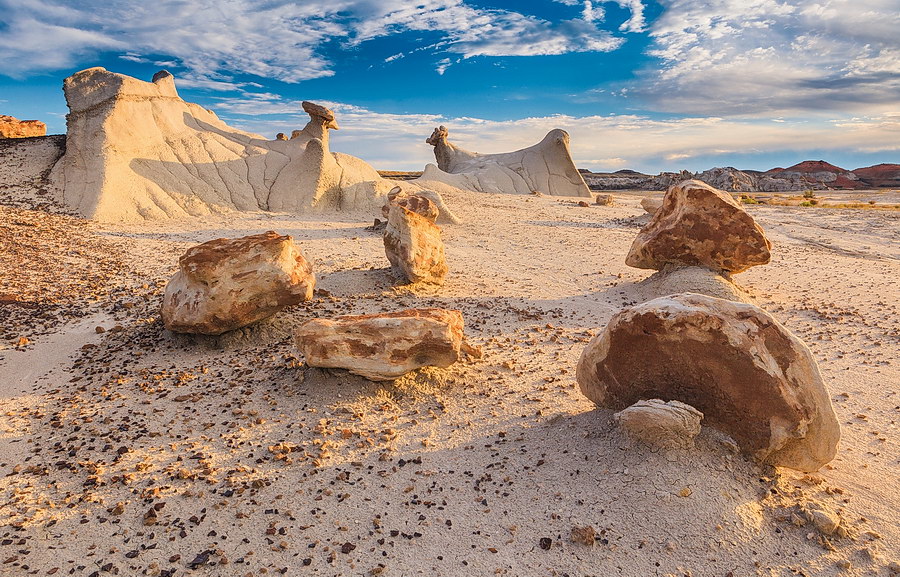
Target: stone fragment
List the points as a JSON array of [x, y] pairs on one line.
[[651, 204], [698, 225], [604, 199], [12, 127], [384, 346], [414, 247], [658, 423], [225, 284], [747, 374]]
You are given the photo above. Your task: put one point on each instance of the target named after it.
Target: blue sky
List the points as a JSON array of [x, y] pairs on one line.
[[645, 85]]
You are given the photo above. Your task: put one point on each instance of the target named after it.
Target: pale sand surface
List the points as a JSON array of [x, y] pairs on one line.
[[256, 465]]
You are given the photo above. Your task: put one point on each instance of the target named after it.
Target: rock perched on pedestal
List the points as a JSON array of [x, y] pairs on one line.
[[660, 424], [384, 346], [414, 202], [414, 247], [12, 127], [747, 374], [226, 284], [698, 225]]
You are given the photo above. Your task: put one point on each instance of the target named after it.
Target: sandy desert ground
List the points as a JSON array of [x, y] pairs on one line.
[[127, 450]]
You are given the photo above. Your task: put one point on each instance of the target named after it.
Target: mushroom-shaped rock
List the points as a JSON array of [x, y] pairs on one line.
[[414, 247], [747, 374], [698, 225], [225, 284], [384, 346], [661, 424]]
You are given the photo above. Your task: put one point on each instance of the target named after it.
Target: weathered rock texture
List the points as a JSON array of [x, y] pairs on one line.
[[546, 167], [226, 284], [138, 151], [385, 346], [671, 425], [688, 279], [698, 225], [12, 127], [651, 204], [747, 374], [414, 247], [414, 202]]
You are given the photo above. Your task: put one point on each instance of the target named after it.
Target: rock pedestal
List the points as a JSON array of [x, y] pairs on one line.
[[747, 374], [384, 346], [226, 284], [414, 247]]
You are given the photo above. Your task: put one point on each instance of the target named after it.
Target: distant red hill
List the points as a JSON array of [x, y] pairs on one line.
[[880, 175], [812, 166]]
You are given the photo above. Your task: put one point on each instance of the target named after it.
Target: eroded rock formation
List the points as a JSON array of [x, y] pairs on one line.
[[12, 127], [546, 167], [698, 225], [225, 284], [747, 374], [136, 150], [384, 346], [413, 246]]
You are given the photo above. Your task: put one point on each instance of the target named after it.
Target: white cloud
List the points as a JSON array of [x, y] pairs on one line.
[[397, 141], [760, 56], [278, 39]]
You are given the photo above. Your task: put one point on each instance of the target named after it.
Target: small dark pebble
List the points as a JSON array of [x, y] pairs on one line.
[[545, 543]]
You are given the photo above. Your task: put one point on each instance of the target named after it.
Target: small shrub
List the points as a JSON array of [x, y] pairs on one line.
[[809, 194]]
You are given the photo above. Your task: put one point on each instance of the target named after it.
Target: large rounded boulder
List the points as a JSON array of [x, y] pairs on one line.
[[748, 375]]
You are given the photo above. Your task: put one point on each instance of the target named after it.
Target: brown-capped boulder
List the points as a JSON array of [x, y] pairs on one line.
[[228, 283], [414, 247], [698, 225], [414, 202], [384, 346], [747, 374]]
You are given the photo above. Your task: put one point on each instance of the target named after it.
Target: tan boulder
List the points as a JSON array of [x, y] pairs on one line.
[[698, 225], [414, 247], [651, 204], [662, 424], [747, 374], [384, 346], [225, 284], [12, 127]]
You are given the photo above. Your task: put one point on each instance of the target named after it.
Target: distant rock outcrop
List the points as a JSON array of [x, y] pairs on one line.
[[546, 167], [879, 175], [747, 374], [728, 179], [135, 150], [12, 127]]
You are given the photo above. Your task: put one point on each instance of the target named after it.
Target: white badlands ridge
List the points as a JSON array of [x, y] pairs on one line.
[[135, 150]]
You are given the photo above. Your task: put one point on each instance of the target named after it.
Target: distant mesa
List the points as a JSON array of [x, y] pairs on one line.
[[880, 175], [136, 150], [545, 167], [12, 127]]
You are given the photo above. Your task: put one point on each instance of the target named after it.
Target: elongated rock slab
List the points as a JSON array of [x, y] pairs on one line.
[[747, 374], [384, 346], [226, 284], [698, 225]]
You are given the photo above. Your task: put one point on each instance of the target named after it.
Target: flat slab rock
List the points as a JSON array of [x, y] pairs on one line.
[[698, 225], [226, 284], [385, 346], [747, 374]]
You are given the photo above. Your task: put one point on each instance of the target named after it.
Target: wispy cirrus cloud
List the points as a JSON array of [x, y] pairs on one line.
[[279, 39]]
